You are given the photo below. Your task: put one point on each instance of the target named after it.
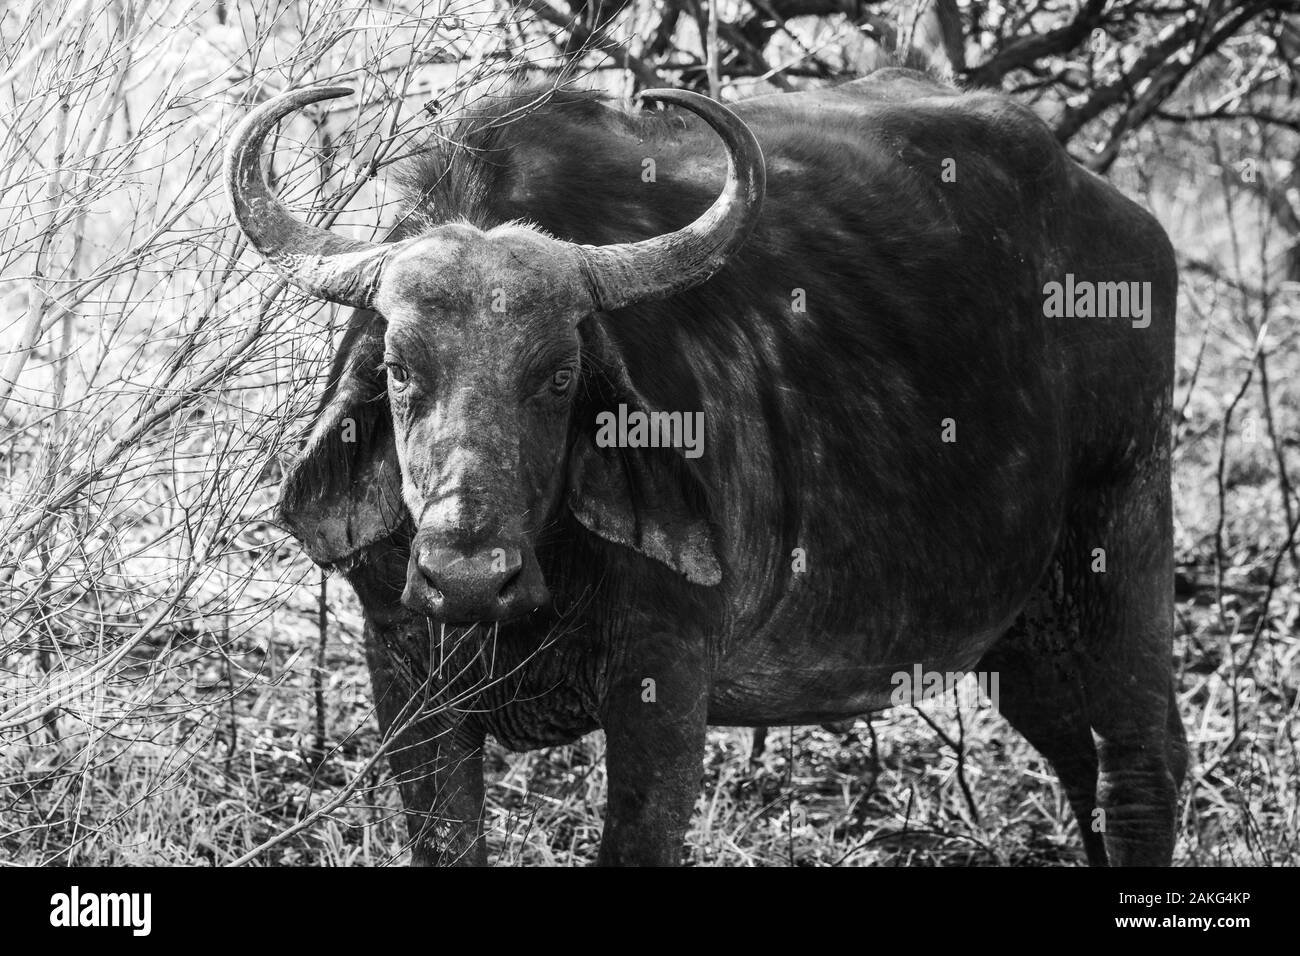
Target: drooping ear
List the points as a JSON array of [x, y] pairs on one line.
[[647, 499], [345, 490]]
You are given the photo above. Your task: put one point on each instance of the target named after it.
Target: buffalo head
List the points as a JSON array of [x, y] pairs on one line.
[[453, 401]]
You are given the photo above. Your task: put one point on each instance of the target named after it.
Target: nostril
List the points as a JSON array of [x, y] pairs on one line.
[[438, 564], [430, 585], [509, 580]]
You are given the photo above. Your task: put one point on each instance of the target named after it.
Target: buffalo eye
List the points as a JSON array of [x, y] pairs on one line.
[[398, 374], [561, 380]]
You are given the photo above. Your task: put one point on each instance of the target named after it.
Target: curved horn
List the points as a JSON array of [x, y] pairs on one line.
[[630, 272], [320, 263]]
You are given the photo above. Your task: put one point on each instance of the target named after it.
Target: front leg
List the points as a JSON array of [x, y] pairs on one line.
[[438, 765], [655, 715]]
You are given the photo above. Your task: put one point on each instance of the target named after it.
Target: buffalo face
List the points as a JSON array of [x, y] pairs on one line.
[[481, 356], [451, 403]]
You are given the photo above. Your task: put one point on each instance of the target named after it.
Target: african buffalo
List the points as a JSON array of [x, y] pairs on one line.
[[913, 452]]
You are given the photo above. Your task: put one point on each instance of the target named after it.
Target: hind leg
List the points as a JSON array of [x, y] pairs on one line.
[[1040, 693], [1118, 559]]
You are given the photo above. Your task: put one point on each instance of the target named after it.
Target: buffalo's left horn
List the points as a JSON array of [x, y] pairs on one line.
[[625, 273], [320, 263]]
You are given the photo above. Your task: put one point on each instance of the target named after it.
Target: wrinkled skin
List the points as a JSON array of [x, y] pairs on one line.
[[824, 433]]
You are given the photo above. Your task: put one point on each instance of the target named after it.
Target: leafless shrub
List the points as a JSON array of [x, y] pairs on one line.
[[154, 377]]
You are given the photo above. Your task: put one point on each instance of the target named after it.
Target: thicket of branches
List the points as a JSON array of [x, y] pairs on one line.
[[159, 637]]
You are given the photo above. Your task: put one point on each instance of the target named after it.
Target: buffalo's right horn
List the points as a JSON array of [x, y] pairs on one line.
[[346, 271]]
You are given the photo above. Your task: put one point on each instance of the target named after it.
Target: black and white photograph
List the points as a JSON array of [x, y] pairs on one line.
[[847, 434]]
